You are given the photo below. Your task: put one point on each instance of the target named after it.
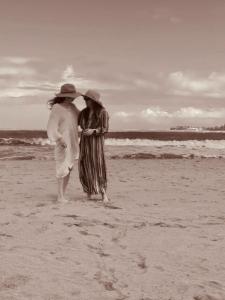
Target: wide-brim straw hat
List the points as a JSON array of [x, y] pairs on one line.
[[68, 90], [93, 95]]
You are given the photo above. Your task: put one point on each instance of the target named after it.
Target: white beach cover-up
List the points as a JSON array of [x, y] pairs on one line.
[[63, 123]]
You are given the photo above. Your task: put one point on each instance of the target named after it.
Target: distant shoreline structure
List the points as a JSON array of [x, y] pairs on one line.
[[166, 135]]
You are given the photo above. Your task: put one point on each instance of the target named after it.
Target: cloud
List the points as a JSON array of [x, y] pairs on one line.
[[213, 86], [154, 112], [17, 60], [25, 88], [191, 112], [38, 85], [183, 113], [17, 93], [11, 78], [15, 88], [123, 114], [160, 118], [69, 76], [145, 84], [80, 82], [22, 81], [15, 71], [165, 16]]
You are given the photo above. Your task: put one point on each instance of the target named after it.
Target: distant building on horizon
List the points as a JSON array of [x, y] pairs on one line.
[[190, 128]]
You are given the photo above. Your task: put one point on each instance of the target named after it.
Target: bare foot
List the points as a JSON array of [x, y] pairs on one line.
[[62, 200], [105, 199]]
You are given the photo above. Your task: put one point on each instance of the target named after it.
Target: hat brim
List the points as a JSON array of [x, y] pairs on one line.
[[96, 101], [69, 95]]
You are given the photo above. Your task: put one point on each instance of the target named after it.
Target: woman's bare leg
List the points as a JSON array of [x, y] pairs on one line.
[[65, 182], [60, 197], [62, 185]]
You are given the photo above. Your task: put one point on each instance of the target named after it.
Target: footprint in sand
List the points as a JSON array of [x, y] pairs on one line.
[[85, 232], [42, 229], [13, 282], [109, 225], [62, 258], [208, 297], [77, 224], [5, 235], [142, 263], [108, 280], [82, 222], [41, 204], [75, 293], [160, 268], [110, 206], [103, 254], [118, 236], [162, 224], [140, 225], [54, 297], [217, 294], [70, 216], [33, 213], [102, 279], [215, 284], [4, 224], [18, 214], [98, 250], [185, 178]]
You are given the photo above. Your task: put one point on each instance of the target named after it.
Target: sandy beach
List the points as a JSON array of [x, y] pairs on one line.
[[161, 238]]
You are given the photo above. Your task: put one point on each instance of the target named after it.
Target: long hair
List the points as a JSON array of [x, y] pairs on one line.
[[56, 100], [97, 108]]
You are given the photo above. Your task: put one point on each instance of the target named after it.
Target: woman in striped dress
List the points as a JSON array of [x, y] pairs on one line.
[[93, 121]]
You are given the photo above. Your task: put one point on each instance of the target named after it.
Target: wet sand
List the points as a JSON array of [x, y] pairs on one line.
[[161, 238]]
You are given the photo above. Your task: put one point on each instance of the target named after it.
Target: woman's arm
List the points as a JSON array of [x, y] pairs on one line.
[[53, 124], [104, 123], [103, 127]]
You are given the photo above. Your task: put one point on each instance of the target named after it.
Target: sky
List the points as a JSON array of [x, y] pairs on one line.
[[156, 63]]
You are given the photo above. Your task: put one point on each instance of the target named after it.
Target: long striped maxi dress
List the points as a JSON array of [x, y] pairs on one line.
[[92, 166]]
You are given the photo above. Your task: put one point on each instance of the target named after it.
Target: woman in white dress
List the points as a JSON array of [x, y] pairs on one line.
[[62, 129]]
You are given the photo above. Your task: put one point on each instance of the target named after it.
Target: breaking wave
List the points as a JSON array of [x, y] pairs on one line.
[[125, 148]]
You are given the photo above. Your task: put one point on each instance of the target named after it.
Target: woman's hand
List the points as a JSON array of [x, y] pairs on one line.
[[61, 142], [88, 131]]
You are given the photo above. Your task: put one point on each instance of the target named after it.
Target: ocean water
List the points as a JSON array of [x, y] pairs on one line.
[[27, 145]]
